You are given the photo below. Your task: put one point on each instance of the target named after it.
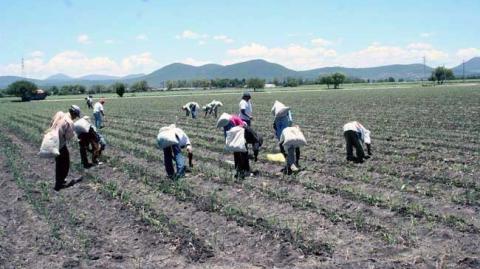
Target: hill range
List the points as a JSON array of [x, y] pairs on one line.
[[249, 69]]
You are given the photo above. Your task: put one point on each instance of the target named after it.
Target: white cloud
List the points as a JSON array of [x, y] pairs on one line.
[[419, 46], [427, 34], [377, 54], [36, 54], [293, 56], [188, 34], [83, 39], [75, 63], [192, 61], [223, 38], [108, 41], [321, 42], [305, 57], [467, 53], [138, 63], [142, 37]]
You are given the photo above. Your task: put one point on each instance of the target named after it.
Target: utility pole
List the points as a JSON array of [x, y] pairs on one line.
[[463, 68], [424, 77], [22, 74]]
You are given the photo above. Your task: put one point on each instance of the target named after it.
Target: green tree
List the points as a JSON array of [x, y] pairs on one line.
[[170, 85], [139, 86], [327, 80], [391, 79], [119, 88], [22, 88], [97, 89], [54, 90], [256, 83], [337, 79], [440, 74]]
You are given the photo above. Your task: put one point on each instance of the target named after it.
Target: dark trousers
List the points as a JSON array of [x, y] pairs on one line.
[[85, 140], [297, 154], [62, 165], [242, 164], [170, 154], [352, 140]]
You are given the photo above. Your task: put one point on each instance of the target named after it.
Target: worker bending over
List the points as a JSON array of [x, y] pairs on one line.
[[191, 108], [355, 134]]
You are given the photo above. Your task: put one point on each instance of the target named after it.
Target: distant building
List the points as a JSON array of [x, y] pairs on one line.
[[269, 85]]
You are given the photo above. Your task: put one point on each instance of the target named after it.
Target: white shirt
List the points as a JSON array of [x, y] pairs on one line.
[[97, 107], [357, 127], [183, 139], [248, 109]]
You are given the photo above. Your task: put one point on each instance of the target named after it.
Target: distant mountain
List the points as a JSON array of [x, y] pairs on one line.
[[179, 71], [59, 77], [97, 77], [7, 80], [133, 76], [248, 69], [472, 67], [406, 71]]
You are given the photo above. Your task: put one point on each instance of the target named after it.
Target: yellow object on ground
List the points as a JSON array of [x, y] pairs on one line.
[[276, 157]]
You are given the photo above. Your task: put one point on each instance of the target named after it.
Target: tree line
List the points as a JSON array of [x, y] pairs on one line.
[[28, 90]]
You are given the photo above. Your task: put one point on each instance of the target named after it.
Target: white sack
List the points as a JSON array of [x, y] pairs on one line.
[[82, 126], [279, 109], [292, 136], [235, 141], [50, 147], [223, 120], [167, 136]]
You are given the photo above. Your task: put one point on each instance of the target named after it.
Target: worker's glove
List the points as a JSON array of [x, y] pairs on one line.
[[369, 149]]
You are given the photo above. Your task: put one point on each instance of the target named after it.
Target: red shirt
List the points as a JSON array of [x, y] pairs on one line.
[[236, 120]]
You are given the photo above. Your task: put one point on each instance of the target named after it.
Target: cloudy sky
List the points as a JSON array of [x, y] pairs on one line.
[[79, 37]]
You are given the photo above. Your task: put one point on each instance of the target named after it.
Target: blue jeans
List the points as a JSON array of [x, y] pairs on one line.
[[98, 119], [174, 153], [281, 124]]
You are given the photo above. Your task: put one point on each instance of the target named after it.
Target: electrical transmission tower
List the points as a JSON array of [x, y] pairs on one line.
[[424, 65], [23, 68]]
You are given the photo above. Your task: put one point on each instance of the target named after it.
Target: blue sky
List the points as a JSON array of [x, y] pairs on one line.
[[123, 37]]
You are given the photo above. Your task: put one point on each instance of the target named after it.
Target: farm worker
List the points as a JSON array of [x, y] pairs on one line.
[[89, 101], [98, 113], [241, 159], [234, 120], [212, 107], [63, 122], [355, 134], [174, 152], [88, 137], [284, 119], [191, 107], [246, 108]]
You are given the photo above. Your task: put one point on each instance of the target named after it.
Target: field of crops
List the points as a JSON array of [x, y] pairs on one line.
[[414, 204]]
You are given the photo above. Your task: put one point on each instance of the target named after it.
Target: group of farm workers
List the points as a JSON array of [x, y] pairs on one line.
[[238, 132], [211, 108], [63, 128]]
